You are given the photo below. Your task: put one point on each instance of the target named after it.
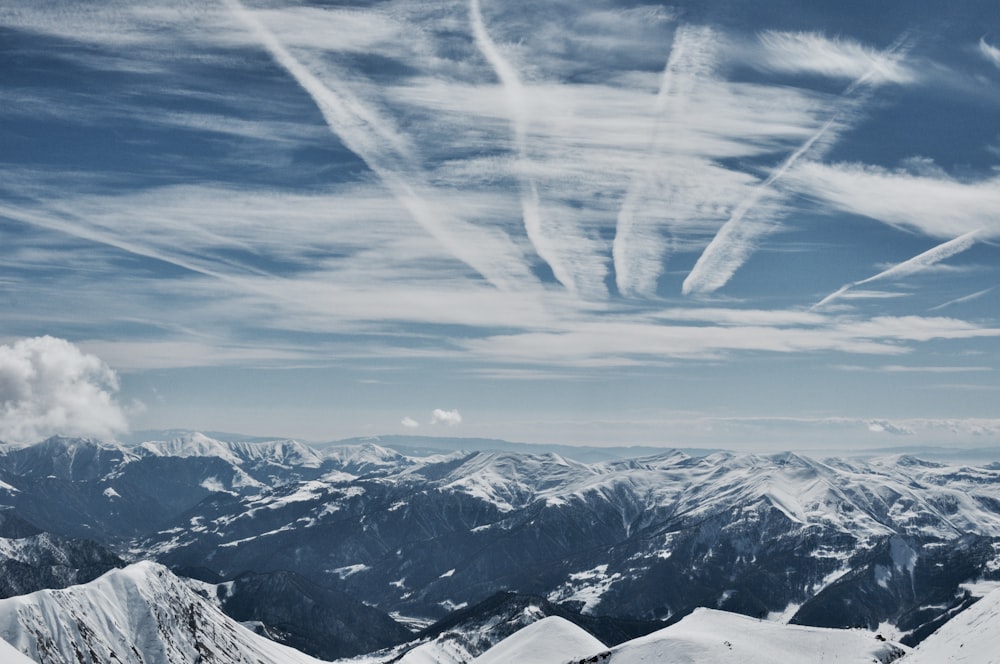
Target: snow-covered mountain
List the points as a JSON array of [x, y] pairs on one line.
[[890, 543], [709, 635], [971, 637], [142, 614], [551, 639], [706, 635], [835, 543]]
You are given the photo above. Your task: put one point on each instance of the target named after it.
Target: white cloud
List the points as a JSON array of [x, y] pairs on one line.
[[515, 96], [446, 417], [738, 237], [409, 423], [638, 249], [885, 426], [48, 386], [814, 53], [990, 52], [940, 207], [389, 155], [919, 263]]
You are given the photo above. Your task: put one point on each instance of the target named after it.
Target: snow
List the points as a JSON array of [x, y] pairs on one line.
[[551, 640], [971, 637], [11, 655], [587, 588], [436, 652], [139, 614], [980, 587], [111, 493], [708, 635], [277, 452], [349, 570]]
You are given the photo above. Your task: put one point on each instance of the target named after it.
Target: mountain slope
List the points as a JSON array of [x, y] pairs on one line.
[[142, 614], [717, 636], [551, 639], [825, 543], [971, 637], [322, 622], [11, 655], [836, 543]]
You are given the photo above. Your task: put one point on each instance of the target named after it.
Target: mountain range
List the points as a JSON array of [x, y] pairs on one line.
[[358, 548]]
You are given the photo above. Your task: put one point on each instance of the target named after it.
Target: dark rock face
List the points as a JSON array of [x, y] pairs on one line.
[[42, 561], [322, 622], [507, 608]]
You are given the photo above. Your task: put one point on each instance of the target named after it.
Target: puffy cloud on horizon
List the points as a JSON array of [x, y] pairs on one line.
[[409, 423], [447, 417], [48, 386], [885, 426]]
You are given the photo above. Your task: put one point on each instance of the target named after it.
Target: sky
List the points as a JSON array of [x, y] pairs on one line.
[[758, 226]]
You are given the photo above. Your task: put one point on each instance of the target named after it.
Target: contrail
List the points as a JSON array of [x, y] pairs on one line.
[[639, 263], [910, 266], [360, 129], [517, 106], [965, 298], [734, 242]]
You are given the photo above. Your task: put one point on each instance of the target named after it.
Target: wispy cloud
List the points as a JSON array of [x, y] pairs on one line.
[[549, 243], [900, 368], [918, 263], [965, 298], [409, 423], [639, 249], [990, 52], [517, 105], [815, 53], [362, 130], [937, 206], [736, 240]]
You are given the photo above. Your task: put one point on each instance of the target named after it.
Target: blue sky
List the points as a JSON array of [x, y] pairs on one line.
[[747, 225]]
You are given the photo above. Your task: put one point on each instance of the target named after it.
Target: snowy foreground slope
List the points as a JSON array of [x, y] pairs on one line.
[[971, 637], [142, 614], [704, 636], [11, 655], [548, 640]]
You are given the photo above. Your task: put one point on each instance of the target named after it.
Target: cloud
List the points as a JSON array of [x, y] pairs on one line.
[[814, 53], [940, 207], [389, 155], [990, 52], [885, 426], [517, 107], [918, 263], [48, 386], [964, 298], [409, 423], [638, 248], [737, 239], [446, 417]]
